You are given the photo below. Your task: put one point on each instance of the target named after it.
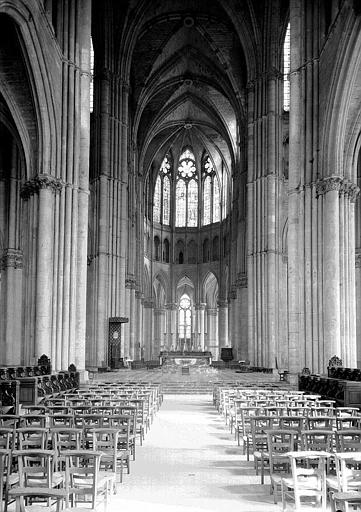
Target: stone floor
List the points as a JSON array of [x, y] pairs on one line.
[[191, 463], [201, 375]]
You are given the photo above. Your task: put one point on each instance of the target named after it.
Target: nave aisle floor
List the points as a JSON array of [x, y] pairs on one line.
[[190, 463]]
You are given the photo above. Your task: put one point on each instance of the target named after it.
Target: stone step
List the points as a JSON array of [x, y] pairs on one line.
[[185, 388]]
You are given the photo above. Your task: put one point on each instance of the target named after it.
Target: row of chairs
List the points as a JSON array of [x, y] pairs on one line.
[[307, 454], [75, 446]]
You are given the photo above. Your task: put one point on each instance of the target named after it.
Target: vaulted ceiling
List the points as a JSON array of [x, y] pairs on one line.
[[188, 63]]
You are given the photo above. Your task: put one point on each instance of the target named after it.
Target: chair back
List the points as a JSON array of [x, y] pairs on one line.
[[348, 440], [32, 438], [35, 467], [82, 475]]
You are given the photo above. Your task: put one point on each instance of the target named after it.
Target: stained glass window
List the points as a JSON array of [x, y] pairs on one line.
[[157, 200], [166, 201], [216, 200], [211, 193], [181, 202], [207, 198], [192, 203], [286, 69], [185, 318], [162, 191]]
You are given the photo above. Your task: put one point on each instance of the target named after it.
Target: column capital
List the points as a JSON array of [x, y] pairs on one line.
[[11, 258], [338, 183], [138, 294], [171, 306], [212, 311], [222, 303], [201, 306], [148, 303], [40, 182], [159, 311]]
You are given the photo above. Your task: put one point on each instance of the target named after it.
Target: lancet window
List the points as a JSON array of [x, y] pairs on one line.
[[211, 195], [162, 193], [286, 69]]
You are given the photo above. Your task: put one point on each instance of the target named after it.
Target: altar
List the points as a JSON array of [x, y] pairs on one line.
[[185, 358]]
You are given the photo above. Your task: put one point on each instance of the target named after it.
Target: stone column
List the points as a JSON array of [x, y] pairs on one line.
[[132, 318], [129, 332], [148, 305], [223, 323], [11, 269], [358, 301], [200, 325], [212, 331], [44, 186], [329, 190], [338, 195], [138, 327], [296, 117], [172, 309], [159, 323], [84, 34]]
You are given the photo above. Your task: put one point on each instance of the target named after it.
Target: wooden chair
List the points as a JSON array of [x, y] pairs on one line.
[[36, 468], [32, 438], [318, 440], [129, 415], [347, 490], [61, 420], [10, 420], [7, 438], [257, 440], [348, 422], [279, 443], [244, 427], [7, 478], [22, 494], [320, 422], [114, 445], [63, 440], [34, 420], [348, 440], [308, 479], [84, 482]]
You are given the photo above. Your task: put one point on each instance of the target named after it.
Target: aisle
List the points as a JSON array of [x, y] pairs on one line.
[[190, 463]]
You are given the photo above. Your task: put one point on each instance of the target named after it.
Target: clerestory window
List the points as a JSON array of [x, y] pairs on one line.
[[286, 69]]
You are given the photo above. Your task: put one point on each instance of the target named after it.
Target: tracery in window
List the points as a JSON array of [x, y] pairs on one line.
[[162, 193], [286, 69], [187, 191], [91, 87]]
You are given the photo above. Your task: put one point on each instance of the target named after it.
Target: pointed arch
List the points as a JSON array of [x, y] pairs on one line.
[[210, 290], [30, 25], [162, 286]]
